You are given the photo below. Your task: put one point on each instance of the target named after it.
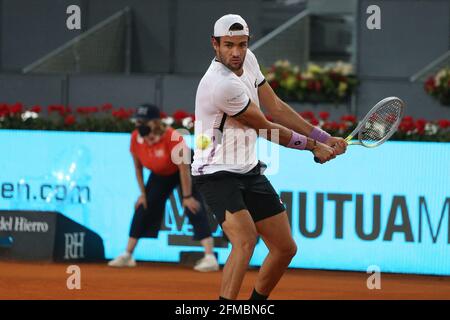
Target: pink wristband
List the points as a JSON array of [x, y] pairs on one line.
[[319, 135], [297, 141]]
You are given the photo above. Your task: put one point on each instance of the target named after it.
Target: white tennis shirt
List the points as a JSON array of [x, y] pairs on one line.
[[222, 143]]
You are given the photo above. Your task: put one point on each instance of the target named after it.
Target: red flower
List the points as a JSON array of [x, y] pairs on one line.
[[311, 85], [444, 123], [274, 84], [324, 115], [80, 110], [36, 109], [391, 118], [408, 119], [314, 121], [307, 114], [4, 110], [63, 110], [349, 118], [94, 109], [407, 124], [180, 115], [16, 108], [420, 126], [68, 109], [342, 126], [402, 127], [334, 76], [330, 126], [69, 120], [57, 108], [317, 86], [334, 125], [107, 107], [87, 110], [421, 131], [430, 85], [421, 122], [121, 113]]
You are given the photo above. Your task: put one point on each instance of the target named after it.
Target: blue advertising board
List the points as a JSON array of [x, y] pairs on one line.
[[388, 206]]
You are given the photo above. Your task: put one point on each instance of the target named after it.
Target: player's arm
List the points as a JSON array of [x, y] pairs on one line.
[[254, 118], [283, 114]]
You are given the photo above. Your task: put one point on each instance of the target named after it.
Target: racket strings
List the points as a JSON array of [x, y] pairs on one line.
[[381, 123]]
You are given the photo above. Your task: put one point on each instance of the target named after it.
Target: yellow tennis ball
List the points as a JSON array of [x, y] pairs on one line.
[[203, 141]]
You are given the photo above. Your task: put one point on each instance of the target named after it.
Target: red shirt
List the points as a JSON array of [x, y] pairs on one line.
[[157, 157]]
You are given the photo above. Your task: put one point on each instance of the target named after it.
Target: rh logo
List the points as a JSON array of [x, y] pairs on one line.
[[74, 245]]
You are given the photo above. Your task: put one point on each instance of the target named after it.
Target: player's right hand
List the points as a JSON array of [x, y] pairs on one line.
[[141, 200], [324, 152], [339, 144]]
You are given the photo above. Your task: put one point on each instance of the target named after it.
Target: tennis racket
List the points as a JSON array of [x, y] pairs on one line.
[[378, 125]]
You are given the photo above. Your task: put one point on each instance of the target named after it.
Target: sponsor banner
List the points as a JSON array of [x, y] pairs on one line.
[[387, 206], [21, 224]]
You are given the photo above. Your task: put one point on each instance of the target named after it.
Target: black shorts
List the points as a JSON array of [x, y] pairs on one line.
[[226, 191]]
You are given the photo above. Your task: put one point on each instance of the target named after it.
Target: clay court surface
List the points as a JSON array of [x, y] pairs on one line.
[[22, 280]]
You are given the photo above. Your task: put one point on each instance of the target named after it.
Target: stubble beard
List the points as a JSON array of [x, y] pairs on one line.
[[230, 66]]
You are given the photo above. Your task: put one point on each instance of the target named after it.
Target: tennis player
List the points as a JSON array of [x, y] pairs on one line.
[[227, 108], [152, 145]]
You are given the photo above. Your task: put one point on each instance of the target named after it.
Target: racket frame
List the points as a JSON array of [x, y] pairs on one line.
[[370, 113]]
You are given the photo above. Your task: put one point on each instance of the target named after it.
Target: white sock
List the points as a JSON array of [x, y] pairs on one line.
[[127, 254]]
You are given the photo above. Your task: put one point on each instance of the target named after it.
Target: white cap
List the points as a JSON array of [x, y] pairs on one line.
[[222, 26]]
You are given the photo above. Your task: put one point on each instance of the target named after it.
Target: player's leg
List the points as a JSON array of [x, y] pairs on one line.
[[272, 224], [224, 199], [276, 233], [240, 230]]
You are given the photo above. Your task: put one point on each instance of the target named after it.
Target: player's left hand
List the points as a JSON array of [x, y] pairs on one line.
[[192, 204], [339, 144]]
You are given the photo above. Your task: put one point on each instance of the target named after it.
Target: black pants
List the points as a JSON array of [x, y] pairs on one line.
[[146, 223]]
